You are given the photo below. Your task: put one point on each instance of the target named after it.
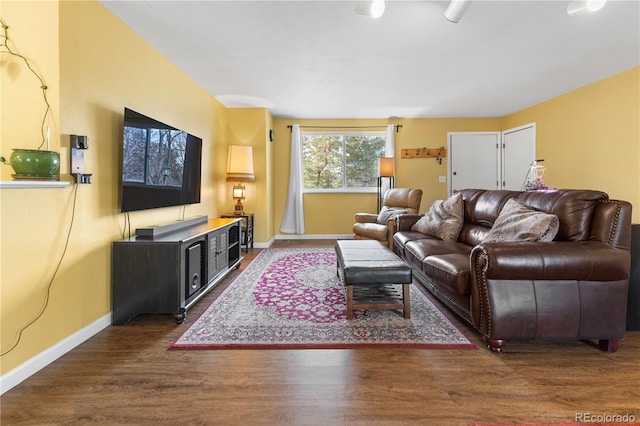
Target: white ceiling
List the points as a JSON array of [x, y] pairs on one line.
[[319, 59]]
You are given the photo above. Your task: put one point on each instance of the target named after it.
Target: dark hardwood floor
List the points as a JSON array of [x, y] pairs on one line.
[[126, 375]]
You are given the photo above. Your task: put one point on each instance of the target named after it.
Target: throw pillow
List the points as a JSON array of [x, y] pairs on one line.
[[386, 213], [518, 222], [443, 220]]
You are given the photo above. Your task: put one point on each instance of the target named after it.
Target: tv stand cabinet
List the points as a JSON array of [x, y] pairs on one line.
[[172, 270]]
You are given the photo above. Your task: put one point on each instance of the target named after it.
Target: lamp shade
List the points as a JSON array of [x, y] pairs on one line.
[[240, 164], [386, 166]]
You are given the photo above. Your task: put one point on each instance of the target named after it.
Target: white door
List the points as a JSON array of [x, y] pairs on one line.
[[518, 152], [473, 160]]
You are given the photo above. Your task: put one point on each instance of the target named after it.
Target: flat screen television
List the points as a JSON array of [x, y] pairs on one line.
[[161, 165]]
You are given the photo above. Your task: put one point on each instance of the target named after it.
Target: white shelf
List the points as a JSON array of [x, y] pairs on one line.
[[33, 184]]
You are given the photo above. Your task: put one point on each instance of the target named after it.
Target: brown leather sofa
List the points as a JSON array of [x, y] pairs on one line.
[[368, 226], [574, 287]]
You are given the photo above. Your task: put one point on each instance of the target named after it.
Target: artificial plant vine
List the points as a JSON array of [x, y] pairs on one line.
[[6, 47]]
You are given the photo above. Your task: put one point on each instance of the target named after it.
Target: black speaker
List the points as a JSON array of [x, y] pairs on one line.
[[633, 301], [193, 280]]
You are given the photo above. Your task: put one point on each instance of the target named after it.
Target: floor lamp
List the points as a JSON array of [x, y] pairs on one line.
[[386, 170]]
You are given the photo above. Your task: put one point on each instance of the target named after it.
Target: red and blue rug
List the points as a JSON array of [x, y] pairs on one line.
[[293, 299]]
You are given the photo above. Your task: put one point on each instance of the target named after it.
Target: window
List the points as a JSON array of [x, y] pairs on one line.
[[341, 161]]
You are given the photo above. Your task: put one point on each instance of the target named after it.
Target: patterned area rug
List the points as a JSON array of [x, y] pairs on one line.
[[293, 299]]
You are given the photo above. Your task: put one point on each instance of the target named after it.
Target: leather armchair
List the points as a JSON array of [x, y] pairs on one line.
[[368, 226]]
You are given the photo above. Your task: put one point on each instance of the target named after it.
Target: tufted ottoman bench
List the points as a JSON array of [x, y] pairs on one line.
[[374, 270]]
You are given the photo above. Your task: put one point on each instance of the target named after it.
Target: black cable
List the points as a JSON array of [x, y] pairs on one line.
[[5, 41], [125, 216], [55, 273], [127, 226]]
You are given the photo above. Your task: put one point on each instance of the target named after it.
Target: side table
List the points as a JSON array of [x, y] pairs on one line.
[[246, 240]]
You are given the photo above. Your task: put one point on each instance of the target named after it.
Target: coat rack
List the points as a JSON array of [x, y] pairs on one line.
[[437, 153]]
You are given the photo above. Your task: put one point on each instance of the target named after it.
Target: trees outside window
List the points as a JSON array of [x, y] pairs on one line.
[[341, 161], [154, 156]]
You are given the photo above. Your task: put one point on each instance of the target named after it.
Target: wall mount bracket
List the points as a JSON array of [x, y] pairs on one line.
[[78, 145]]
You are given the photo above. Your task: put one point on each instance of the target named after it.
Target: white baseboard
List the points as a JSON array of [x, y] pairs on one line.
[[303, 237], [40, 361], [314, 237], [265, 245]]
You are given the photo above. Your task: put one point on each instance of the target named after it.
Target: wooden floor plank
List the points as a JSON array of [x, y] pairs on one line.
[[127, 375]]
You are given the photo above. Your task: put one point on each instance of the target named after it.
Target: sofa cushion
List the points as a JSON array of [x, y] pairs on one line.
[[387, 213], [450, 270], [443, 220], [517, 222], [574, 207], [403, 198], [482, 206], [473, 235], [402, 238], [426, 247]]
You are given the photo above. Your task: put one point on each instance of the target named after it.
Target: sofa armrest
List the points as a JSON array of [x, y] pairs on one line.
[[366, 218], [580, 261], [531, 290], [404, 222]]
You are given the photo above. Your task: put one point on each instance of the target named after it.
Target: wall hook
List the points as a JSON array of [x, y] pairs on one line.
[[437, 153]]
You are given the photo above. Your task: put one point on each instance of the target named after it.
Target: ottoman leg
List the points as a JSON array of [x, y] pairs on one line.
[[406, 300], [349, 302]]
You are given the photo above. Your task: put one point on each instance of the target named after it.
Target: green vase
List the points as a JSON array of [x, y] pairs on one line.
[[35, 164]]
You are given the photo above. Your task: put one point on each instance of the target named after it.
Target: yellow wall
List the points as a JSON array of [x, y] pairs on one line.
[[590, 137], [250, 126], [103, 67]]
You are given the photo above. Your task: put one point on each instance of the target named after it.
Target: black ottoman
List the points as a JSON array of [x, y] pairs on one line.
[[374, 270]]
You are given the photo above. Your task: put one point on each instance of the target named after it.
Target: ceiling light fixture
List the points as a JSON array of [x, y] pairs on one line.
[[371, 8], [584, 6], [456, 9], [377, 8]]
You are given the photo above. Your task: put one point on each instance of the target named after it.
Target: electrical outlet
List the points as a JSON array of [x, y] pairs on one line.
[[442, 179]]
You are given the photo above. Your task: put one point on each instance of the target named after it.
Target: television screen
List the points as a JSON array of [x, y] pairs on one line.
[[160, 164]]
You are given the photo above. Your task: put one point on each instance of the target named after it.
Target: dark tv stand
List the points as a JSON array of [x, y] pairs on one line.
[[172, 266]]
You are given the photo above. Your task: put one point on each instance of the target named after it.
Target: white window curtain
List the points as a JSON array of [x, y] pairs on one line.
[[293, 218], [390, 147]]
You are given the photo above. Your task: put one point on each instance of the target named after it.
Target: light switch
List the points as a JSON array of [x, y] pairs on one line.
[[442, 179]]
